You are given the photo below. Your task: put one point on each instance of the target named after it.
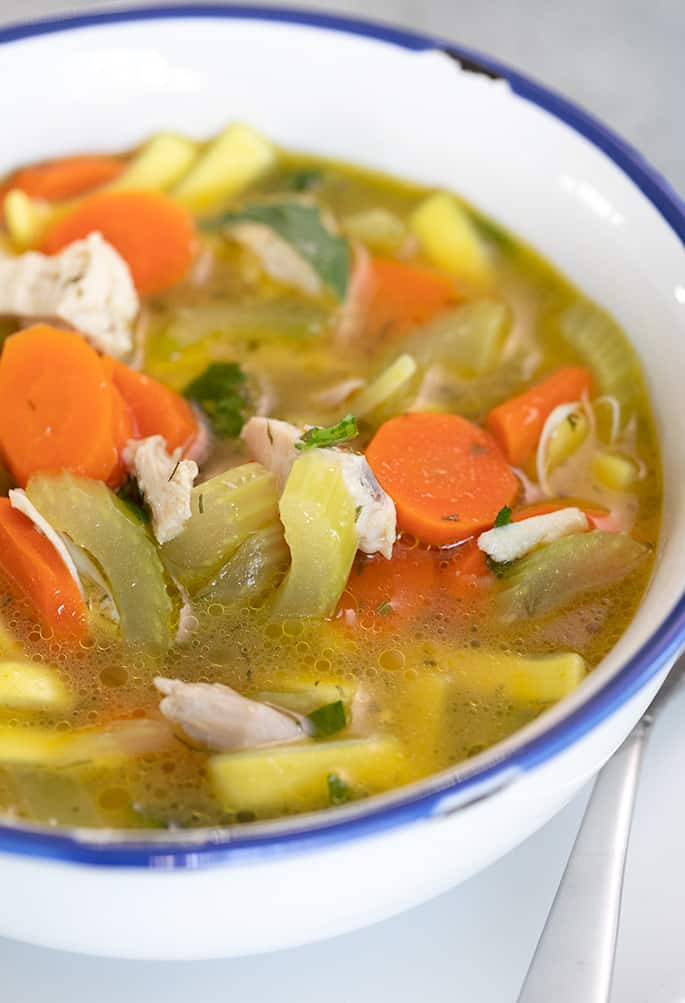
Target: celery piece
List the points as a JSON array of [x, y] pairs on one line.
[[57, 796], [614, 471], [606, 349], [306, 699], [470, 337], [443, 390], [562, 570], [319, 516], [225, 511], [387, 394], [275, 781], [96, 520], [232, 162], [567, 437], [159, 164], [253, 569], [32, 686], [450, 240], [380, 229]]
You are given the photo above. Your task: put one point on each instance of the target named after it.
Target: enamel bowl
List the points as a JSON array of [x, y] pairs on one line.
[[444, 116]]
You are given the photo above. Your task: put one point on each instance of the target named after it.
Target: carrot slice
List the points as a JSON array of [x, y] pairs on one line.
[[154, 234], [154, 408], [447, 476], [403, 295], [124, 427], [464, 572], [67, 177], [55, 406], [517, 423], [384, 593], [34, 568]]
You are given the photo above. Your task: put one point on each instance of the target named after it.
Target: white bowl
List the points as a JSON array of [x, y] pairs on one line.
[[444, 116]]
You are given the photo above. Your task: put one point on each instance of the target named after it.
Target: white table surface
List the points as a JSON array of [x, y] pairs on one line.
[[622, 59]]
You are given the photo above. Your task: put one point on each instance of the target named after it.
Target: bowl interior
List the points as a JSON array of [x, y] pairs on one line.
[[413, 113]]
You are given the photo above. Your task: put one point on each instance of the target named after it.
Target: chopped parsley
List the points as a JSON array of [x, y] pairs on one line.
[[334, 435], [498, 568], [220, 391], [503, 517], [304, 179], [328, 719], [129, 493], [384, 608], [338, 791], [572, 419]]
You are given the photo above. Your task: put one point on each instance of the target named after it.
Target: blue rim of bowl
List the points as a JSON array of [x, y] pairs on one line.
[[234, 846]]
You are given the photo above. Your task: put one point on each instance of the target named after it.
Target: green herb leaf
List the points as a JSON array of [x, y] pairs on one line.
[[572, 419], [328, 719], [335, 435], [503, 517], [338, 791], [304, 179], [302, 227], [498, 568], [384, 608], [129, 494], [221, 394]]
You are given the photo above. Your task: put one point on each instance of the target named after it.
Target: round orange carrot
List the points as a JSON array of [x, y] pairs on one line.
[[402, 295], [124, 427], [447, 476], [55, 406], [464, 572], [517, 423], [34, 568], [67, 177], [384, 593], [154, 234], [591, 509], [154, 408]]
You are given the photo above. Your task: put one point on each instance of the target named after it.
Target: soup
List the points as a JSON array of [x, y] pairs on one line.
[[314, 482]]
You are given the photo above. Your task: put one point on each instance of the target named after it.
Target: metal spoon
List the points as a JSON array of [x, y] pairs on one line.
[[574, 958]]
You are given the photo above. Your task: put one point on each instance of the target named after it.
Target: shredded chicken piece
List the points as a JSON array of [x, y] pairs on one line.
[[272, 443], [219, 718], [165, 481], [508, 543], [376, 516], [278, 258], [88, 286]]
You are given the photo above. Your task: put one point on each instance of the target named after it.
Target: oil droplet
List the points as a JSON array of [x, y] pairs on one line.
[[114, 675], [391, 658]]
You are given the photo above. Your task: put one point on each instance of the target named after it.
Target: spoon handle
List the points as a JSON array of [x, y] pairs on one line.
[[574, 958]]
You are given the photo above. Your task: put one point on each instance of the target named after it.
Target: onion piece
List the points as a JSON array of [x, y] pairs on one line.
[[615, 415], [558, 415]]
